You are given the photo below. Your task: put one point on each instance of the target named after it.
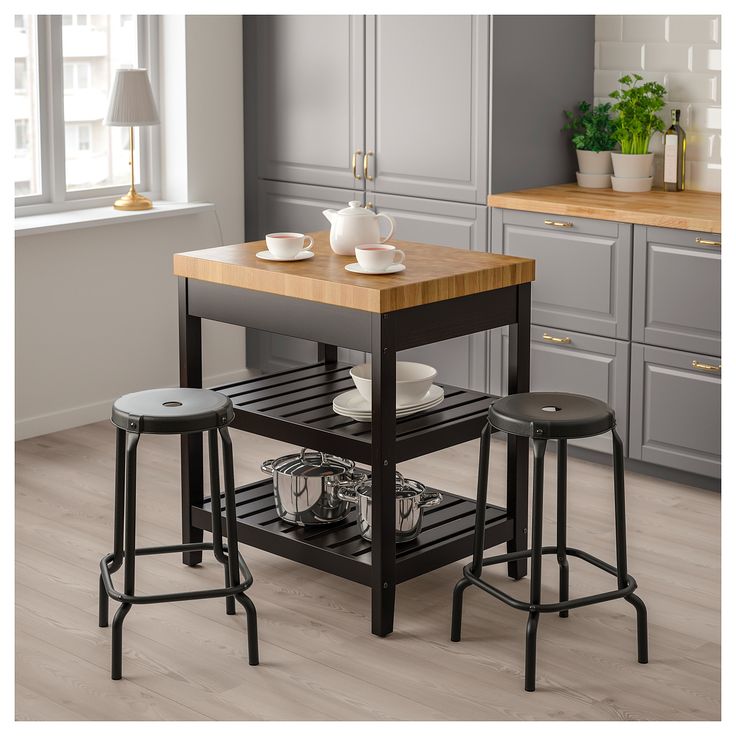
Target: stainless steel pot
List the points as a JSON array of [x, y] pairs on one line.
[[411, 499], [301, 490]]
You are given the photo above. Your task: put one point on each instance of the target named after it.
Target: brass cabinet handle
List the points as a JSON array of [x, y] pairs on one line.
[[703, 241], [706, 367], [560, 340], [365, 166], [557, 223], [356, 175]]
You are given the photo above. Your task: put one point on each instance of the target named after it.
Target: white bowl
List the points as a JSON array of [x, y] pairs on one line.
[[413, 381], [628, 184], [593, 181]]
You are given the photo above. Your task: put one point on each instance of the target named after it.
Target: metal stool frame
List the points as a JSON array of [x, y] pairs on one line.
[[125, 551], [472, 572]]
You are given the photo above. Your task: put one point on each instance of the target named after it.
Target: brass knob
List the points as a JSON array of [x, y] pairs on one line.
[[365, 166], [356, 175]]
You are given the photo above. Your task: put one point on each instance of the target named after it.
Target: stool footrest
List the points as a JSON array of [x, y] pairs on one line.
[[173, 597], [550, 607]]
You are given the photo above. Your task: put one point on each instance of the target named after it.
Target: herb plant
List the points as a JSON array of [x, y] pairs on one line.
[[591, 128], [637, 106]]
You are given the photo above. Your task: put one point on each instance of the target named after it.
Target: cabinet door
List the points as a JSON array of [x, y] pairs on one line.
[[310, 97], [427, 83], [292, 208], [583, 364], [582, 273], [675, 409], [460, 361], [676, 299]]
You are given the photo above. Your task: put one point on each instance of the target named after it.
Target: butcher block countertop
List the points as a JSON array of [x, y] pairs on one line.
[[687, 210], [433, 273]]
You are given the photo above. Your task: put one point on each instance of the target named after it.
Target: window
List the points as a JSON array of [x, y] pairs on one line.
[[63, 151]]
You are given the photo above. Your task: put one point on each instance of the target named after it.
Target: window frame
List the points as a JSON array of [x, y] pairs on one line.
[[54, 196]]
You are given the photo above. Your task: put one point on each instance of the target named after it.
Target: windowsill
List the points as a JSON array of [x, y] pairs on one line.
[[97, 216]]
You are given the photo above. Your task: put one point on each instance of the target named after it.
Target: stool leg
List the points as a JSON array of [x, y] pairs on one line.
[[621, 562], [562, 524], [232, 546], [129, 555], [118, 516], [216, 505], [480, 529], [536, 567]]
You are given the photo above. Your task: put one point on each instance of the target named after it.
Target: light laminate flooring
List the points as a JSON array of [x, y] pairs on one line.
[[319, 661]]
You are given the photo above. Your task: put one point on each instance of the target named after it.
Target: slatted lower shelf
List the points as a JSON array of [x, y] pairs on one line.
[[446, 535], [296, 406]]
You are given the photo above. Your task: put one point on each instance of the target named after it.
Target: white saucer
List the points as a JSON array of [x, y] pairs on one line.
[[357, 268], [352, 404], [302, 255]]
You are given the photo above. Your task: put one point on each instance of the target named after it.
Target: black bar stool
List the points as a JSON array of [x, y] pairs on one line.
[[543, 417], [172, 411]]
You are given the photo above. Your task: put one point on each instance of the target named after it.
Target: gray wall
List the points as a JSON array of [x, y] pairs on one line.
[[536, 75]]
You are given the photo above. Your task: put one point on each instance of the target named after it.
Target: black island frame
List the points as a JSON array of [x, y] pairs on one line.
[[295, 406]]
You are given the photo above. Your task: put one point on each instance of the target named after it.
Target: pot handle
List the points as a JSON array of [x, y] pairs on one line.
[[304, 451], [429, 499], [267, 466], [345, 492]]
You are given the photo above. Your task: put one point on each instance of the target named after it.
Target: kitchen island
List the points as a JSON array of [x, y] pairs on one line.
[[442, 294]]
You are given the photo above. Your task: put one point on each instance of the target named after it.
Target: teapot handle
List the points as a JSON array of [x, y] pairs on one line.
[[391, 223]]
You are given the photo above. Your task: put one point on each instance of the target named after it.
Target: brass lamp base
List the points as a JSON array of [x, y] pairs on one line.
[[133, 201]]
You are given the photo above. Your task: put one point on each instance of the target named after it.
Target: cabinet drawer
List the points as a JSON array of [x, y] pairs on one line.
[[676, 299], [587, 364], [583, 268], [675, 410]]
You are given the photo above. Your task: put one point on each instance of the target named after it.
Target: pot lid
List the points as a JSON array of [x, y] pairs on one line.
[[355, 209], [405, 487], [311, 464]]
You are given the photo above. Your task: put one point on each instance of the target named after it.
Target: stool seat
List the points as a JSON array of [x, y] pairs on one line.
[[551, 415], [172, 411]]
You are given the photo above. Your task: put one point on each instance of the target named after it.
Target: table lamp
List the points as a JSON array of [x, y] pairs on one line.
[[131, 103]]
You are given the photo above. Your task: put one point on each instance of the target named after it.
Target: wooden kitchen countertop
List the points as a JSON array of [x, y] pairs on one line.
[[683, 210], [433, 273]]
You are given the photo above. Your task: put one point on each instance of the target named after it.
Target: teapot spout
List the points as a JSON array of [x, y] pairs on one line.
[[330, 215]]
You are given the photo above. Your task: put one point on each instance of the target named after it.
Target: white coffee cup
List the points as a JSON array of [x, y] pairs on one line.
[[287, 245], [378, 257]]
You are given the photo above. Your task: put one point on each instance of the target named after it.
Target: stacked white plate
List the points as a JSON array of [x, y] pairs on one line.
[[351, 404]]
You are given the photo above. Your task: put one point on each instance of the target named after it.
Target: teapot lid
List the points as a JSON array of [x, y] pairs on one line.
[[356, 209]]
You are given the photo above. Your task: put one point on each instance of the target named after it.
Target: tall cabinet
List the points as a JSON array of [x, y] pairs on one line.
[[392, 111]]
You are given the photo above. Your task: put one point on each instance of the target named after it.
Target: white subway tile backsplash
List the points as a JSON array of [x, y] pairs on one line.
[[627, 56], [693, 28], [692, 87], [666, 57], [608, 27], [645, 27], [683, 54]]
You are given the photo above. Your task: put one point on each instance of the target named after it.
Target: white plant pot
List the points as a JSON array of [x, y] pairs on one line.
[[594, 162], [593, 181], [632, 184], [632, 165]]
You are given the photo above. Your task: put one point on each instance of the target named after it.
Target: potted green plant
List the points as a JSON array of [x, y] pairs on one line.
[[636, 106], [592, 136]]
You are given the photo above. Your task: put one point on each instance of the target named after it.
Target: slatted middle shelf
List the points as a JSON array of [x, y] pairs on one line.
[[446, 536], [296, 406]]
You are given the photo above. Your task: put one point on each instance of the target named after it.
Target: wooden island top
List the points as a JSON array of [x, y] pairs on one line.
[[433, 273], [688, 210]]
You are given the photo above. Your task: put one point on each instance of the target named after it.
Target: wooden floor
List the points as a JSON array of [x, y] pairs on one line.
[[319, 661]]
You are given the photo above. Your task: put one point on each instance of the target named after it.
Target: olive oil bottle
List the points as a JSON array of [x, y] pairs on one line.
[[675, 144]]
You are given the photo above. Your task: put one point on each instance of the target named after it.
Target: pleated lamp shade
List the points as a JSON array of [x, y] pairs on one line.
[[131, 100]]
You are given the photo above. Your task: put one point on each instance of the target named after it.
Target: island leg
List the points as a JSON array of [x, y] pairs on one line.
[[517, 475], [383, 478], [192, 461], [326, 353]]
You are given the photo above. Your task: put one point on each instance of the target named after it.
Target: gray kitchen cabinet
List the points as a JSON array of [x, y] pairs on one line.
[[308, 97], [675, 411], [677, 289], [572, 362], [461, 361], [427, 88], [583, 268], [283, 206]]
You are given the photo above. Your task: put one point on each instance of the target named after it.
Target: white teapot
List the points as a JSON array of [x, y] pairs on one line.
[[355, 225]]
